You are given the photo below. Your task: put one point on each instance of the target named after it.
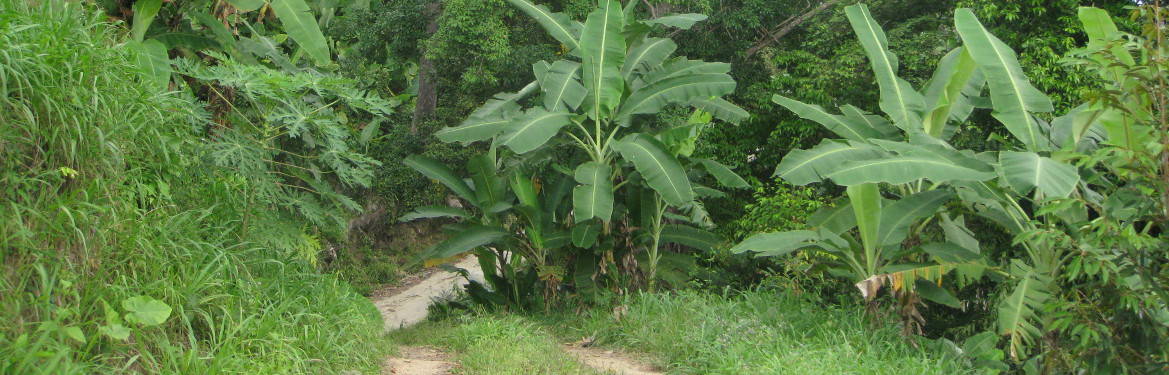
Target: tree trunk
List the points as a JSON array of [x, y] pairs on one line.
[[427, 98]]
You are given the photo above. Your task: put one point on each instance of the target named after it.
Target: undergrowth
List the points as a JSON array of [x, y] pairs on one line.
[[121, 249]]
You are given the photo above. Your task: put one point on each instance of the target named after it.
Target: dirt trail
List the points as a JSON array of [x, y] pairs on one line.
[[609, 361], [418, 360], [406, 305]]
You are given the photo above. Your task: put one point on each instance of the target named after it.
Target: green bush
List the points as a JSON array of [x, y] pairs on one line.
[[122, 251]]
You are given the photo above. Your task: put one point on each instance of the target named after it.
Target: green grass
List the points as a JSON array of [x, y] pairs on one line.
[[106, 196], [757, 332], [492, 344]]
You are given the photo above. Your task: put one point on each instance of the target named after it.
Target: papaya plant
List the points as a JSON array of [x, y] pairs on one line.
[[907, 155], [589, 117]]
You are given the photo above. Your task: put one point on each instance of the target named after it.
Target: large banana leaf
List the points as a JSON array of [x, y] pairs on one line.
[[936, 151], [1025, 171], [246, 5], [836, 219], [681, 66], [437, 171], [490, 188], [660, 169], [301, 26], [648, 53], [488, 120], [144, 12], [1013, 96], [904, 169], [1018, 310], [721, 109], [846, 127], [561, 87], [690, 236], [428, 212], [682, 21], [897, 217], [776, 244], [558, 25], [866, 205], [1101, 31], [898, 98], [465, 240], [802, 167], [534, 129], [945, 90], [594, 197], [723, 174], [881, 124], [602, 49], [681, 89]]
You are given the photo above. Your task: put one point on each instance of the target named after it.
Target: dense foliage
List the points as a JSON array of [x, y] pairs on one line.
[[145, 230]]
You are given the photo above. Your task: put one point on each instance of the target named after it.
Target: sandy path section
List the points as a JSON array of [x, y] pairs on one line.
[[407, 306], [609, 361]]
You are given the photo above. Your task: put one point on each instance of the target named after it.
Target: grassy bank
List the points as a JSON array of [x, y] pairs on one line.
[[121, 251]]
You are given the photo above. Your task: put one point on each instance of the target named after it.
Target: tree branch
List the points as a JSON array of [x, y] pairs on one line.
[[788, 25]]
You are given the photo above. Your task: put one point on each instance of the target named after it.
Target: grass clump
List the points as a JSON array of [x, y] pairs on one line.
[[762, 331], [494, 344], [121, 250]]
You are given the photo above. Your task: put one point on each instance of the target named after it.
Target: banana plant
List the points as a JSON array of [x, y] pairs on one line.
[[592, 113], [908, 154]]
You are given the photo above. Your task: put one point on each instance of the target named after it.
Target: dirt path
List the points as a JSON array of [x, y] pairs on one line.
[[609, 361], [406, 305], [418, 360]]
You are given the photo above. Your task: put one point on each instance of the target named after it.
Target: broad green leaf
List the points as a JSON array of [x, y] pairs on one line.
[[663, 173], [525, 189], [74, 333], [680, 66], [144, 13], [489, 187], [866, 205], [439, 172], [1013, 96], [690, 236], [682, 21], [153, 63], [1025, 171], [1017, 313], [533, 129], [428, 212], [680, 89], [802, 167], [473, 130], [897, 217], [594, 197], [898, 98], [145, 311], [836, 219], [603, 51], [646, 54], [945, 90], [956, 233], [558, 25], [246, 5], [707, 192], [723, 174], [936, 151], [931, 291], [504, 103], [115, 331], [1102, 31], [721, 109], [880, 124], [1082, 126], [903, 169], [584, 234], [776, 244], [846, 127], [467, 239], [301, 26], [561, 87], [192, 41]]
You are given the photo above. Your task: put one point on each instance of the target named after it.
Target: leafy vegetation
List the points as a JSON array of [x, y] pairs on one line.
[[212, 185]]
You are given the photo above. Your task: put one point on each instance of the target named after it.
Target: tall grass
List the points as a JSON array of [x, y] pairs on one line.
[[762, 331], [104, 195]]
